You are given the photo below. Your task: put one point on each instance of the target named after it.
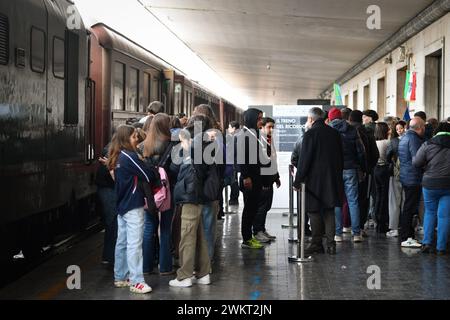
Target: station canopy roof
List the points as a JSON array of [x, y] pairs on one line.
[[277, 51], [256, 52]]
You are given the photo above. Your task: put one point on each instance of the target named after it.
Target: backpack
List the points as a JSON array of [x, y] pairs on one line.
[[211, 184], [161, 190], [163, 197], [161, 194]]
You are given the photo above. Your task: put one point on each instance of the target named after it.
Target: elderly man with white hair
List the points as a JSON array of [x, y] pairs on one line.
[[320, 166], [411, 179]]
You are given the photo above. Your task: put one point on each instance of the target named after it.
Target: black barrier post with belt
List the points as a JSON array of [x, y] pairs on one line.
[[300, 257], [291, 196]]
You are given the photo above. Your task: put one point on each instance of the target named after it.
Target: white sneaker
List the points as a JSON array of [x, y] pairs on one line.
[[203, 280], [181, 284], [338, 238], [392, 233], [268, 235], [411, 243], [346, 230], [357, 238], [261, 237], [141, 288]]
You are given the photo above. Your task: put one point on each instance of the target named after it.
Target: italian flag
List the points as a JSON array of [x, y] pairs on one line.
[[338, 94], [410, 86]]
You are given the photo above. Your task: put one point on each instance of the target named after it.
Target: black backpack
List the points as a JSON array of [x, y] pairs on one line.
[[211, 184]]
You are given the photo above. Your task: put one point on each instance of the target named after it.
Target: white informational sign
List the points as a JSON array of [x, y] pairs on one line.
[[290, 125]]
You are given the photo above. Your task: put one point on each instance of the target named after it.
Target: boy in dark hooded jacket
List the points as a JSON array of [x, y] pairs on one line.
[[250, 181]]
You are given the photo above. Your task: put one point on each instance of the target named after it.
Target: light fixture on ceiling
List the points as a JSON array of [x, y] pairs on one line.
[[268, 66]]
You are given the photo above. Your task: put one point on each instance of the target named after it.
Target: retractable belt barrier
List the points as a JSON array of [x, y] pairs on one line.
[[300, 257], [290, 225]]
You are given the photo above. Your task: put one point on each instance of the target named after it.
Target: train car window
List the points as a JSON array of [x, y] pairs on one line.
[[177, 98], [4, 39], [133, 90], [185, 103], [37, 54], [119, 86], [58, 58], [71, 71], [155, 89], [147, 89]]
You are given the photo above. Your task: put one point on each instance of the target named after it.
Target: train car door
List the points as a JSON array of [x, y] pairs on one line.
[[66, 104], [168, 91]]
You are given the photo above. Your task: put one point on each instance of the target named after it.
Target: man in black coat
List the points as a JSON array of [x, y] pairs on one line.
[[320, 167]]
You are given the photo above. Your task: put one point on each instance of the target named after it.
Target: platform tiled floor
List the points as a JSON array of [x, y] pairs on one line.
[[252, 275]]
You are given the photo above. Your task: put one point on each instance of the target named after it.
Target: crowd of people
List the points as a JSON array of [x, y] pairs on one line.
[[161, 197], [355, 166]]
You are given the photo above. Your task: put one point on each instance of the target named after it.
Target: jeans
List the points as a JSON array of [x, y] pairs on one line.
[[151, 223], [381, 174], [437, 208], [129, 246], [351, 192], [264, 205], [410, 208], [363, 201], [209, 216], [107, 198], [346, 221]]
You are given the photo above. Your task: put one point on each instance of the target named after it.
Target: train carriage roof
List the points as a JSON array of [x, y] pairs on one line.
[[113, 40]]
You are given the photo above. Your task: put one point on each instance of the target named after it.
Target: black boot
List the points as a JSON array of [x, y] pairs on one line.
[[426, 248], [308, 233], [313, 248], [331, 250]]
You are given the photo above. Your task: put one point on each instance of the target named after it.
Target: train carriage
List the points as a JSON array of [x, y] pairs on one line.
[[62, 91], [45, 124], [127, 79]]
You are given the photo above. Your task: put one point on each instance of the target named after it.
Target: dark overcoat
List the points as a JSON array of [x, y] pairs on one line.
[[320, 167]]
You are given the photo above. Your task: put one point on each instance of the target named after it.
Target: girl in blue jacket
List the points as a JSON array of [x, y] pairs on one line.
[[127, 169]]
